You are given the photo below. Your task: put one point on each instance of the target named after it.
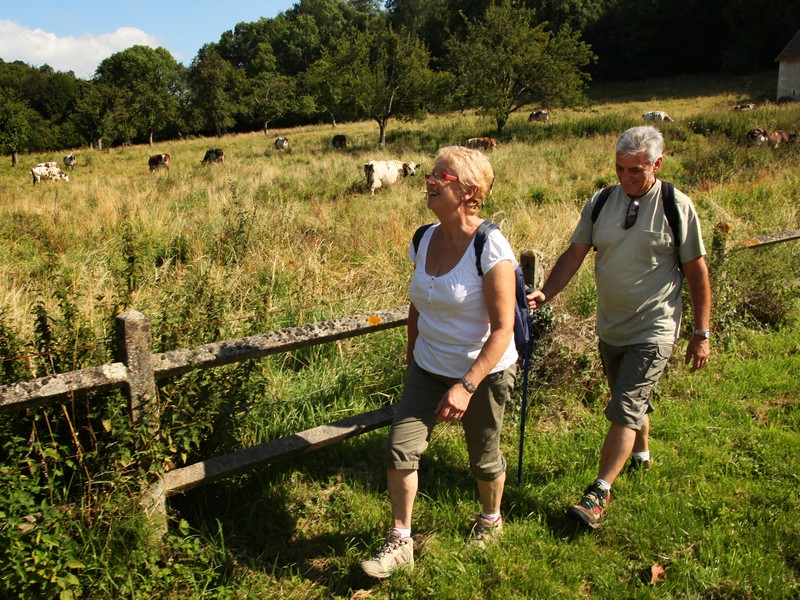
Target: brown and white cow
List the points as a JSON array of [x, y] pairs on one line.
[[158, 160], [486, 144], [47, 171], [656, 115], [744, 106], [340, 142], [543, 116], [281, 143], [70, 161], [386, 172], [771, 137], [213, 155]]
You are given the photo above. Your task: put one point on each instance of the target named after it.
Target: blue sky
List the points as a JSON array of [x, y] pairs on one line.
[[77, 35]]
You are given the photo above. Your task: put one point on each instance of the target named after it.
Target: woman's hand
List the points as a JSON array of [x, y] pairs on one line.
[[453, 404]]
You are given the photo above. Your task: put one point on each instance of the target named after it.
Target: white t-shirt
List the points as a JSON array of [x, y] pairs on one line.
[[453, 319]]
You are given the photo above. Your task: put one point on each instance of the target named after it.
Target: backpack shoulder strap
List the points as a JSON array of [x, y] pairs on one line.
[[418, 235], [601, 201], [671, 210], [484, 229]]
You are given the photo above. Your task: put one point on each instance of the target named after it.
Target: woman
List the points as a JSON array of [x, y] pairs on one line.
[[461, 356]]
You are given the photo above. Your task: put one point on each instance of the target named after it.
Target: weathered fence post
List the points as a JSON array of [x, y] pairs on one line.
[[134, 349]]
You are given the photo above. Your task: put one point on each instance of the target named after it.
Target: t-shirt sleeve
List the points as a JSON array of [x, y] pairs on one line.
[[495, 249], [584, 228]]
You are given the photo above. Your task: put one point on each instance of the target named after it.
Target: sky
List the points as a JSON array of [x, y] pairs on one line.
[[76, 36]]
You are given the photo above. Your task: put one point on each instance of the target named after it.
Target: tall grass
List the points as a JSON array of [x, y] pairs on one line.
[[271, 240]]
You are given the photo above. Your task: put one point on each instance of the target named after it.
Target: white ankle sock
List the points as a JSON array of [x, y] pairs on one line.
[[404, 533], [642, 455], [490, 517], [604, 485]]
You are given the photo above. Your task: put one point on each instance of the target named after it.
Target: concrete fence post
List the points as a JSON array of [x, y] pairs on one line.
[[134, 349]]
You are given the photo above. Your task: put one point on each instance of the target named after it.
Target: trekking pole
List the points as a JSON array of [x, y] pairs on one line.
[[531, 270]]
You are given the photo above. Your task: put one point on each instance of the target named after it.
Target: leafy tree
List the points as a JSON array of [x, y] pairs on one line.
[[379, 74], [504, 63], [214, 83], [16, 120], [147, 85]]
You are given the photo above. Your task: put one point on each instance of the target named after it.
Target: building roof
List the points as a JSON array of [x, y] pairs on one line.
[[792, 49]]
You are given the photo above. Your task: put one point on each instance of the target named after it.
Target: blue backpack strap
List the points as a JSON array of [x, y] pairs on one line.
[[484, 229]]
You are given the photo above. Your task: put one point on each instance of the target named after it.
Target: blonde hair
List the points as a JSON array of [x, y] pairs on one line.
[[473, 169]]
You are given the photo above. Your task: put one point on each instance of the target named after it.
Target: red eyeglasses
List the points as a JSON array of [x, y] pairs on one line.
[[441, 176]]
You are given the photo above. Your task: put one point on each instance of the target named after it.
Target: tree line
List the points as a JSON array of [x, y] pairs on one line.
[[340, 60]]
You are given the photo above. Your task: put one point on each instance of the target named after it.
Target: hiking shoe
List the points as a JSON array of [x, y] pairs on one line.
[[396, 552], [484, 531], [590, 509], [637, 465]]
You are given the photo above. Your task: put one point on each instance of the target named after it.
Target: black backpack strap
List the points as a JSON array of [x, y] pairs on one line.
[[601, 201], [484, 229], [671, 210], [418, 235]]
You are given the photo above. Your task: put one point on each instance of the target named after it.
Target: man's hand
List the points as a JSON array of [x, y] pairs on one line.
[[535, 299], [697, 353]]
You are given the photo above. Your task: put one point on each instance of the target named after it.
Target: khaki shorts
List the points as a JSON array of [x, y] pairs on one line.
[[632, 371], [415, 419]]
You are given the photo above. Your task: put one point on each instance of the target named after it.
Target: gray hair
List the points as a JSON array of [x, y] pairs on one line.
[[644, 138]]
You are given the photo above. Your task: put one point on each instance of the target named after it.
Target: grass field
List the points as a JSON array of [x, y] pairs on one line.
[[269, 240]]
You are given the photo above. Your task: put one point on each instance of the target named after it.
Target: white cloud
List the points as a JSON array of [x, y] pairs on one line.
[[80, 55]]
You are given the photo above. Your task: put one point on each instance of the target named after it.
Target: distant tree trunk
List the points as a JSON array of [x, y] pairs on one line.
[[333, 119], [14, 158], [266, 127], [382, 137], [151, 138], [99, 143]]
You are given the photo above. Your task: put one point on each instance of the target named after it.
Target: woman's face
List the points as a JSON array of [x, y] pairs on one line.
[[443, 190]]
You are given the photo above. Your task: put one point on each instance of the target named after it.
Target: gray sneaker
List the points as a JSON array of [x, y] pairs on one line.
[[396, 552], [484, 531]]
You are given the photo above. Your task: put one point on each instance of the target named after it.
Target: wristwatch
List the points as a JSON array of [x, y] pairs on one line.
[[703, 333], [466, 383]]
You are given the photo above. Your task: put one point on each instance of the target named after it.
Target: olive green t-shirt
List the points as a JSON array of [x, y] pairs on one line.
[[636, 269]]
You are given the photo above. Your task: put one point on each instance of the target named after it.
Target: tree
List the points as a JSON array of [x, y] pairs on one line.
[[15, 124], [504, 63], [380, 74], [147, 87], [214, 83]]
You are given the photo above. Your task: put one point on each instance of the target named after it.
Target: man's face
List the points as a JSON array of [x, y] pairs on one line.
[[635, 174]]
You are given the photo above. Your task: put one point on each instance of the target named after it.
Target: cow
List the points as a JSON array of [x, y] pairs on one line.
[[281, 143], [48, 170], [486, 144], [387, 172], [744, 106], [213, 155], [543, 116], [158, 160], [70, 161], [340, 142], [656, 115], [771, 137]]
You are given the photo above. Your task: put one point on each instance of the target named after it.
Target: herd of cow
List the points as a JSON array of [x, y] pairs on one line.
[[381, 173]]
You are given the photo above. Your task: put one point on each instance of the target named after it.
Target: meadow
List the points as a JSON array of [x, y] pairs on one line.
[[271, 239]]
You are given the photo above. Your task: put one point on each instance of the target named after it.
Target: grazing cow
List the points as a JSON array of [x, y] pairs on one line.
[[340, 142], [771, 137], [744, 106], [656, 115], [48, 170], [486, 144], [281, 143], [387, 172], [158, 160], [213, 155], [70, 161], [542, 116]]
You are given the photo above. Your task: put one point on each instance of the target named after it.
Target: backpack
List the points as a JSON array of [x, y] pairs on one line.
[[522, 317], [668, 202]]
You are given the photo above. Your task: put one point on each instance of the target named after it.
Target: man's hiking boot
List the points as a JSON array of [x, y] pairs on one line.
[[396, 552], [637, 465], [590, 509], [484, 531]]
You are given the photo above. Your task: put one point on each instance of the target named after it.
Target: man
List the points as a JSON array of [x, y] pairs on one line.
[[638, 300]]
